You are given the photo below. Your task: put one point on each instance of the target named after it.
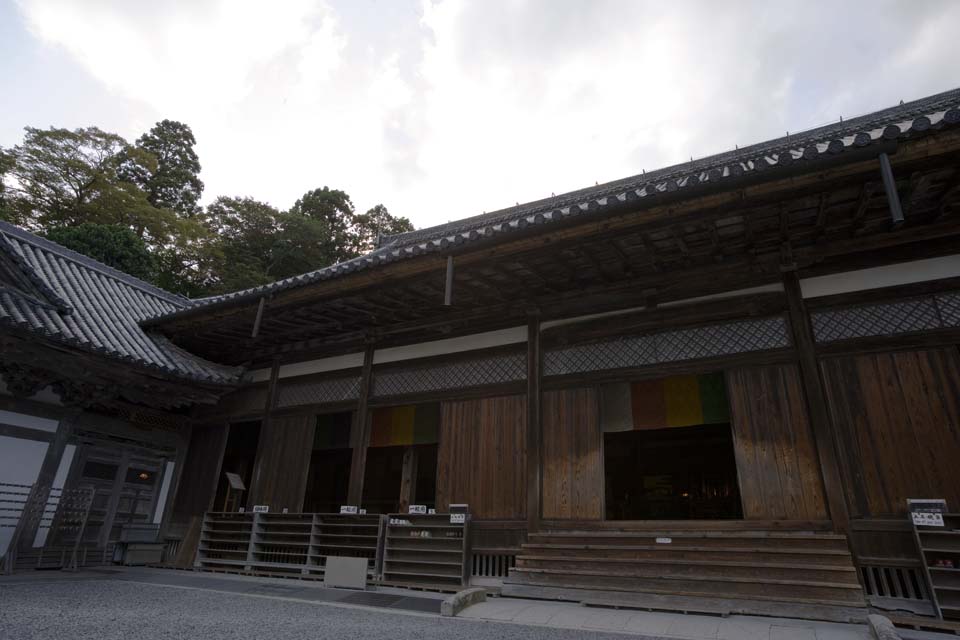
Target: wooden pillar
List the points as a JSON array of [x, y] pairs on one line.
[[360, 432], [816, 401], [534, 426], [268, 406], [408, 479]]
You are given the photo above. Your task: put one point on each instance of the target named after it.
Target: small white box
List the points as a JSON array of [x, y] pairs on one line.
[[345, 573]]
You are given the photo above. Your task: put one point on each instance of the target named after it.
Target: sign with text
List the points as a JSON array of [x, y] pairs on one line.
[[927, 513], [458, 518], [419, 509], [348, 509], [261, 508]]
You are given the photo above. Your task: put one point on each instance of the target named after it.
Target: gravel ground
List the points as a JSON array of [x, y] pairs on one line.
[[108, 610]]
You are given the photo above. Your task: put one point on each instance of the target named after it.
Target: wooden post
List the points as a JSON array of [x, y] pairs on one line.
[[816, 402], [534, 483], [890, 186], [360, 432], [408, 479], [258, 462]]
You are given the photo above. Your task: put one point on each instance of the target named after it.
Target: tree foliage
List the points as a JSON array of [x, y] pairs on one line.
[[136, 208], [174, 182], [111, 244]]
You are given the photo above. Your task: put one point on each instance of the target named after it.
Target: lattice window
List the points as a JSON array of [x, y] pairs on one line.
[[456, 375], [318, 391], [949, 305], [875, 320], [670, 346]]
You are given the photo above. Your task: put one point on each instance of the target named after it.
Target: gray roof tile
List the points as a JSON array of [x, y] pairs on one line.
[[901, 122], [96, 308]]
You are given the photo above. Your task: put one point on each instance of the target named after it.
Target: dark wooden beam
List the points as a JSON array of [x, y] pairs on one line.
[[256, 321], [448, 288], [890, 187], [823, 431], [408, 479], [360, 431], [534, 426]]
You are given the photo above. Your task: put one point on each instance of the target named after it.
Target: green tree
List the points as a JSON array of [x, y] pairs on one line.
[[6, 164], [174, 183], [113, 245], [243, 234], [330, 222], [66, 178], [376, 222]]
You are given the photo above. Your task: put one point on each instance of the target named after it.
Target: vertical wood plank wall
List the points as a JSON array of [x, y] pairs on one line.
[[776, 458], [198, 485], [573, 485], [482, 457], [283, 461], [898, 416]]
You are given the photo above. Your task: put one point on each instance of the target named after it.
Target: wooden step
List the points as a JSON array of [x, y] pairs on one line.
[[739, 539], [685, 552], [713, 586], [699, 568], [693, 604]]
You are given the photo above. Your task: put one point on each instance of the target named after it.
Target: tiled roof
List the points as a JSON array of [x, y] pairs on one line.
[[88, 305], [898, 123]]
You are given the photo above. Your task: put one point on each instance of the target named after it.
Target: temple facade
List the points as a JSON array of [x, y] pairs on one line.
[[715, 385]]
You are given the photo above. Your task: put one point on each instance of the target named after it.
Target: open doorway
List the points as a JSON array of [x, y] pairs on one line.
[[239, 457], [401, 467], [328, 478], [668, 450]]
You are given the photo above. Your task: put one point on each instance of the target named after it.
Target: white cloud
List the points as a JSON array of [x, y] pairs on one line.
[[442, 110]]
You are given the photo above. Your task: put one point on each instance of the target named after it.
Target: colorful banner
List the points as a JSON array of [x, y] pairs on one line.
[[333, 431], [678, 401], [405, 425]]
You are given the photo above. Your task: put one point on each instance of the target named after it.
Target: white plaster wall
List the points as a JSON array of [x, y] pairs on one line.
[[878, 277], [164, 491], [28, 421], [58, 481], [20, 462]]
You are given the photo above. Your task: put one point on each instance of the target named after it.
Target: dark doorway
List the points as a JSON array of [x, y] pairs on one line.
[[239, 457], [382, 478], [328, 478], [676, 473]]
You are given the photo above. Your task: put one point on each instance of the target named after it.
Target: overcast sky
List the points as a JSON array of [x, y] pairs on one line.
[[441, 110]]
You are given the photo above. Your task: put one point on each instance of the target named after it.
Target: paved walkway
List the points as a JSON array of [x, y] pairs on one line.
[[144, 594], [659, 625]]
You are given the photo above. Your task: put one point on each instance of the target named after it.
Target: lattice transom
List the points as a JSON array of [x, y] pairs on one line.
[[670, 346], [887, 318], [456, 375], [319, 391]]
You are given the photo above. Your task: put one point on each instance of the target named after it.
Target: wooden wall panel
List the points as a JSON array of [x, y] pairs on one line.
[[482, 456], [776, 457], [201, 471], [283, 461], [898, 418], [573, 484]]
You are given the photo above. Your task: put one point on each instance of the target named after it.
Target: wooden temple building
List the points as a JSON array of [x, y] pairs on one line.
[[708, 387]]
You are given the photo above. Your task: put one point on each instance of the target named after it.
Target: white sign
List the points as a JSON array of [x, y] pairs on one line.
[[348, 509], [363, 512], [926, 519], [285, 510], [417, 509], [242, 509], [927, 513], [458, 518], [664, 540], [431, 511], [261, 508]]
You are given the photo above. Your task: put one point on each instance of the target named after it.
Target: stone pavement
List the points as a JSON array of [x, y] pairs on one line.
[[659, 625], [509, 615]]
